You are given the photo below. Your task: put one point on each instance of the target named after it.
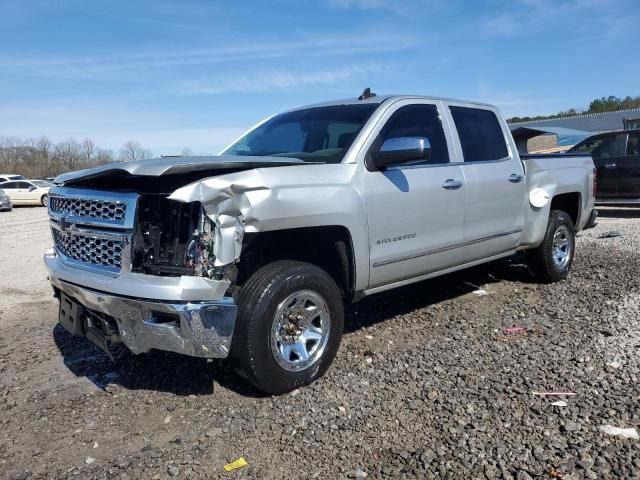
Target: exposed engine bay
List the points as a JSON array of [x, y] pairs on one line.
[[174, 239]]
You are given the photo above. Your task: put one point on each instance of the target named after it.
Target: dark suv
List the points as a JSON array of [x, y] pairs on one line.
[[617, 158]]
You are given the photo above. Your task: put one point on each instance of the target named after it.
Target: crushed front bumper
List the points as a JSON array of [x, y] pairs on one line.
[[195, 328]]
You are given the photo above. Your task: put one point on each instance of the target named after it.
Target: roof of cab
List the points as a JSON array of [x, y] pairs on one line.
[[378, 99]]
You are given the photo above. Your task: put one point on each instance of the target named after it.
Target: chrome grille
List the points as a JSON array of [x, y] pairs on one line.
[[92, 229], [103, 252], [77, 207]]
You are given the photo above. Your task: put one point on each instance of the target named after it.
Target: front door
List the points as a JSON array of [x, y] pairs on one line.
[[415, 211], [23, 193], [628, 167], [604, 151]]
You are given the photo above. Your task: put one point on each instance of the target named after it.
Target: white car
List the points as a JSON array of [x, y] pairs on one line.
[[6, 177], [28, 192]]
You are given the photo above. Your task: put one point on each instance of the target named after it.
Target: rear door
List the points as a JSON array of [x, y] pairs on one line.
[[12, 189], [494, 177], [605, 150], [415, 211], [628, 167]]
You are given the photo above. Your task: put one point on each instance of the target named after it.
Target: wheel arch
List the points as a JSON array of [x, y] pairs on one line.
[[328, 247], [571, 203]]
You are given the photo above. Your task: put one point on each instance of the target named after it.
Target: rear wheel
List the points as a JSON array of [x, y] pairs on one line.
[[289, 326], [552, 260], [45, 201]]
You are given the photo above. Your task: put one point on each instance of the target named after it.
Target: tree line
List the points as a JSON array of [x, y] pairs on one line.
[[599, 105], [42, 158]]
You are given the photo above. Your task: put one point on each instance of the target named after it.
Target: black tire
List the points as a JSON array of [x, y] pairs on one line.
[[542, 263], [258, 303], [45, 201]]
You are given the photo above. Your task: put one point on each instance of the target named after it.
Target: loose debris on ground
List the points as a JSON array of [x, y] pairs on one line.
[[423, 385]]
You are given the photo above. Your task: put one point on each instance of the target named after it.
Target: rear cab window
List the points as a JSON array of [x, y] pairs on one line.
[[480, 133]]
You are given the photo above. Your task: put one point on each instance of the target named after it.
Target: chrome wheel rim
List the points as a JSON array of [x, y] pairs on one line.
[[562, 247], [300, 330]]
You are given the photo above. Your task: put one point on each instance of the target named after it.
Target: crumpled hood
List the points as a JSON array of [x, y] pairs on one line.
[[156, 167]]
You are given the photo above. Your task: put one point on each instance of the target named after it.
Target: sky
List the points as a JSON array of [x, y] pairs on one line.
[[196, 74]]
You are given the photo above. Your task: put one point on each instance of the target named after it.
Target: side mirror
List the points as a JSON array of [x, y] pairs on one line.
[[32, 188], [396, 151]]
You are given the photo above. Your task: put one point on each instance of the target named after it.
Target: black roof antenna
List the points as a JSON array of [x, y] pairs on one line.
[[366, 93]]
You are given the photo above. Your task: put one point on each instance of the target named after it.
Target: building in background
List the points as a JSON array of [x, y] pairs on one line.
[[560, 134]]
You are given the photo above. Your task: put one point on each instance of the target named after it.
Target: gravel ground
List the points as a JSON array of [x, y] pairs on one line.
[[426, 384]]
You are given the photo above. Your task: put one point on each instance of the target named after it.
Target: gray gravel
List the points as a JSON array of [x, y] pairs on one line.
[[426, 385]]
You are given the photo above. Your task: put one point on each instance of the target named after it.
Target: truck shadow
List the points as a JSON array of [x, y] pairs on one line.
[[182, 375], [161, 371], [384, 306]]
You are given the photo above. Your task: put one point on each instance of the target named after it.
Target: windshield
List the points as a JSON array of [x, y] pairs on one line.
[[17, 177], [321, 134], [42, 183]]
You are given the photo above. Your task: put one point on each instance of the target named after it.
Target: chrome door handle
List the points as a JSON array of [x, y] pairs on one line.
[[515, 178], [610, 165], [451, 184]]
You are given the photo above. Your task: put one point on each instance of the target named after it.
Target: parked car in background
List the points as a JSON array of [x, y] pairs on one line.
[[5, 177], [617, 158], [5, 202], [28, 192]]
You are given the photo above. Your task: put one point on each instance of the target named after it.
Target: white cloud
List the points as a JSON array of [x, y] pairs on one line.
[[132, 64], [594, 17], [270, 80], [400, 7], [363, 4]]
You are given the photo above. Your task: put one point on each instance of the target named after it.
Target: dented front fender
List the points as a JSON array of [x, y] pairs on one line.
[[282, 198]]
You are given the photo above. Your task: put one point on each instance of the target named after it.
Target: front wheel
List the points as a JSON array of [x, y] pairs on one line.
[[552, 260], [289, 326], [45, 201]]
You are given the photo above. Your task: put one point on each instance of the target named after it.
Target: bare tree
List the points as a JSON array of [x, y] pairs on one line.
[[104, 156], [134, 151], [40, 157], [68, 153], [88, 149]]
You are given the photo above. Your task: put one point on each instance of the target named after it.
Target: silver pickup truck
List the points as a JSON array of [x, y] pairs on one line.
[[253, 254]]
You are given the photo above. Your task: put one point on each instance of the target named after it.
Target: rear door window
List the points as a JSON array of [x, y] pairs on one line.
[[480, 134], [10, 185]]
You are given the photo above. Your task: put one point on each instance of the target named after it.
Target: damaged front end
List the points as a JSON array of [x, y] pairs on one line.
[[141, 269], [155, 261], [179, 239]]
